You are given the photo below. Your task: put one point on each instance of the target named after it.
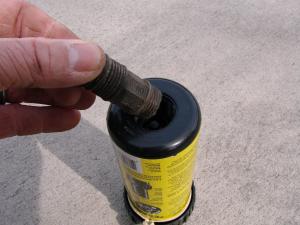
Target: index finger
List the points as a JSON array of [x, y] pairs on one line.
[[19, 18]]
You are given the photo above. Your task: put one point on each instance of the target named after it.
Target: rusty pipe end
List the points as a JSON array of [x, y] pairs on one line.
[[120, 86]]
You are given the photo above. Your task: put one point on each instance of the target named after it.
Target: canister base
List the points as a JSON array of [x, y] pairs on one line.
[[179, 221]]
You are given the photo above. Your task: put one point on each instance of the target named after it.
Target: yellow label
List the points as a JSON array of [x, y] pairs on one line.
[[159, 189]]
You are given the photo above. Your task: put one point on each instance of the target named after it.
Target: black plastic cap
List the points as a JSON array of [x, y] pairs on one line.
[[175, 126]]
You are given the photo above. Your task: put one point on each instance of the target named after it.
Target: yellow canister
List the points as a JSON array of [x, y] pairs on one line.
[[157, 156]]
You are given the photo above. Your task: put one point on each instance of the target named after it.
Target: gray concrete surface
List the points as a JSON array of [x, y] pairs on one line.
[[240, 58]]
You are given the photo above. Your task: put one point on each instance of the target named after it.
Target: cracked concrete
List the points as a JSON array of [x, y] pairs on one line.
[[241, 60]]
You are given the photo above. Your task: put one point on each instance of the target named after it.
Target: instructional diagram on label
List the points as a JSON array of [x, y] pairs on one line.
[[139, 187]]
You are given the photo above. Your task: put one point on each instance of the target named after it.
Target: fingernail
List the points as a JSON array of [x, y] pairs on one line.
[[84, 57]]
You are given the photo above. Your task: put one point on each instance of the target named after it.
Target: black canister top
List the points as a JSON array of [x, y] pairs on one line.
[[174, 127]]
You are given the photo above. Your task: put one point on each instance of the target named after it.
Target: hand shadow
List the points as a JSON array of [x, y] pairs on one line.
[[20, 170], [89, 152]]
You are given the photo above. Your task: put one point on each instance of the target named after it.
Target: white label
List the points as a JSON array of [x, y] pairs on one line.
[[127, 160]]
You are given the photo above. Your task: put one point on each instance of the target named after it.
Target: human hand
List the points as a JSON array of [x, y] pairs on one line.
[[42, 62]]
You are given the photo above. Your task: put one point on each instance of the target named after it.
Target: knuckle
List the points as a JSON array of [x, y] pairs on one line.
[[41, 61], [23, 63], [20, 5], [33, 62], [37, 66], [51, 27], [13, 65], [57, 30]]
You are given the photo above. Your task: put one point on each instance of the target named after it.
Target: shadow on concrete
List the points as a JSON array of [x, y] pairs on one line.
[[89, 152], [20, 170]]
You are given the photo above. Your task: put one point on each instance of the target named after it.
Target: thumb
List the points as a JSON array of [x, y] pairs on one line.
[[48, 63]]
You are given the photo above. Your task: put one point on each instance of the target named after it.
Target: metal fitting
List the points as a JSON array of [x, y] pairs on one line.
[[121, 87]]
